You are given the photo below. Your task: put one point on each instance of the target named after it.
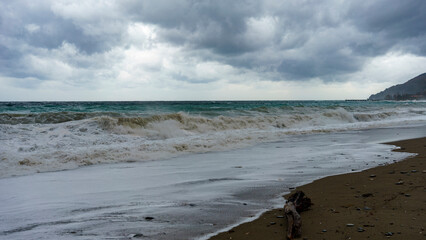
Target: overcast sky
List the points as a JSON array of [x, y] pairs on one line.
[[208, 50]]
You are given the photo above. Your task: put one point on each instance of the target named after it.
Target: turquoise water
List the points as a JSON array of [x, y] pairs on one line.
[[28, 112], [199, 107]]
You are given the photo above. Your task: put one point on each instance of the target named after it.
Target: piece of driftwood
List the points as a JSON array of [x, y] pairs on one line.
[[295, 204], [294, 220]]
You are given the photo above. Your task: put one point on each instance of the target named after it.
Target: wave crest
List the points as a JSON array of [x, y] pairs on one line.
[[180, 124]]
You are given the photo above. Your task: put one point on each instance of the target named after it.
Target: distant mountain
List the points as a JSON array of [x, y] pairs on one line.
[[413, 89]]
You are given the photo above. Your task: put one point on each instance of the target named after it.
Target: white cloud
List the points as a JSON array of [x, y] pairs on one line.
[[389, 69], [261, 30], [32, 28]]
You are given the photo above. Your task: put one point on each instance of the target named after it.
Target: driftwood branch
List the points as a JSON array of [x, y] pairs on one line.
[[296, 203], [294, 220]]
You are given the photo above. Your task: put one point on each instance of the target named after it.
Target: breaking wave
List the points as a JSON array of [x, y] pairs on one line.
[[39, 142], [181, 124]]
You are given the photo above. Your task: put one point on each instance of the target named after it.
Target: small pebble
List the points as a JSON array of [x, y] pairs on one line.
[[413, 171], [366, 195], [407, 195], [372, 176], [360, 229], [367, 208], [399, 183], [280, 216], [389, 234], [324, 230], [137, 235], [272, 223], [350, 225]]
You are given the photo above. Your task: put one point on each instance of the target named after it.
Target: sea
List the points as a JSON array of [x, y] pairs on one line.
[[179, 170]]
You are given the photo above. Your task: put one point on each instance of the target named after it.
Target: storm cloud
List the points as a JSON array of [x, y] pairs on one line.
[[154, 42]]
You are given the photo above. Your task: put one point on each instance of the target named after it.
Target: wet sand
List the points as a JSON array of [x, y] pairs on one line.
[[386, 202]]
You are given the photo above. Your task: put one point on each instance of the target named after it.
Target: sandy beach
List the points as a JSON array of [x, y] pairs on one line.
[[385, 202]]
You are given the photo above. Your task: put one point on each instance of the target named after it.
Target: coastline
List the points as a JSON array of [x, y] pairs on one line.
[[381, 202]]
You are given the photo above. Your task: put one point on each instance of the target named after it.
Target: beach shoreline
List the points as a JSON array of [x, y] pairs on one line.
[[377, 203]]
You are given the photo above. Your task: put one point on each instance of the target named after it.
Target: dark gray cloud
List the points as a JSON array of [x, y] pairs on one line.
[[399, 24], [297, 40], [37, 25], [33, 28], [216, 25], [399, 19]]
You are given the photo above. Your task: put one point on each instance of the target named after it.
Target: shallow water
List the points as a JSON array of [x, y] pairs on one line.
[[189, 196]]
